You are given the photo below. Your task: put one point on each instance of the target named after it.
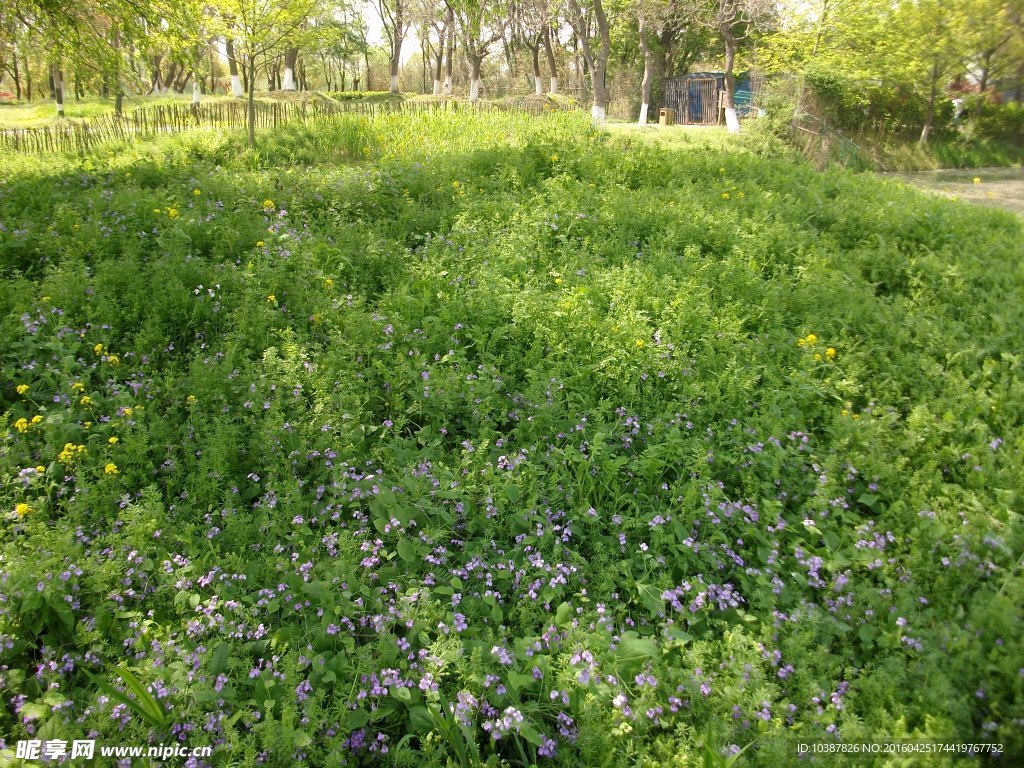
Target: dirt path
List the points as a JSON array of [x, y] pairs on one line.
[[997, 187]]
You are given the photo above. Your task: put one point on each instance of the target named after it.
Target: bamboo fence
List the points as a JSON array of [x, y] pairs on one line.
[[147, 122]]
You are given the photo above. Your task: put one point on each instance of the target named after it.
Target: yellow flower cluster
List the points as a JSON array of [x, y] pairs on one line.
[[21, 389], [811, 340], [98, 349], [21, 425], [268, 205], [110, 469], [22, 509], [86, 400], [71, 453]]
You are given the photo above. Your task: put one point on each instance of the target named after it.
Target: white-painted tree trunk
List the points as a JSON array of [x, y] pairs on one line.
[[643, 114], [394, 83], [447, 89], [554, 85], [474, 90], [236, 87], [288, 83], [538, 85], [196, 93], [58, 89], [599, 116], [437, 87], [732, 122]]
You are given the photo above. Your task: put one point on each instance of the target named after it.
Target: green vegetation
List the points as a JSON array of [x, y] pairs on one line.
[[493, 439]]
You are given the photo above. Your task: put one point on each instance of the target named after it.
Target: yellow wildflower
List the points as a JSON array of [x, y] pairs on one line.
[[70, 453], [112, 440], [21, 389], [554, 158], [113, 359], [268, 205], [260, 243], [77, 386], [812, 339], [191, 399], [558, 281], [172, 212], [86, 400], [110, 469], [128, 411], [40, 469], [328, 283], [830, 353], [156, 210], [98, 349], [196, 192], [22, 509], [37, 419], [725, 195], [21, 425], [639, 343], [976, 180], [271, 298], [817, 356]]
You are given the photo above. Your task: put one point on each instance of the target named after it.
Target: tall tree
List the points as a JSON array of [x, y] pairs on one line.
[[394, 16], [480, 25], [261, 26], [582, 15]]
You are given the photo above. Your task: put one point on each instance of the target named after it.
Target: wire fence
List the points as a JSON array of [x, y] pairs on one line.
[[148, 122]]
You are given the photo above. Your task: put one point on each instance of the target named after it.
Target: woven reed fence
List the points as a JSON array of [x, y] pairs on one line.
[[147, 122]]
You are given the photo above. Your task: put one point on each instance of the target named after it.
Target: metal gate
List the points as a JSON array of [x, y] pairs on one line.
[[694, 98]]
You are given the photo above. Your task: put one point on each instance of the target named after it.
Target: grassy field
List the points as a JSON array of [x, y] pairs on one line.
[[449, 440]]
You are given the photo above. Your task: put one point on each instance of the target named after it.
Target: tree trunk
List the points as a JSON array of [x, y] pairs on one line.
[[118, 90], [250, 111], [929, 115], [439, 68], [645, 85], [550, 54], [366, 58], [538, 82], [449, 65], [17, 79], [28, 78], [732, 121], [291, 55], [396, 45], [597, 61], [169, 80], [58, 88], [236, 84], [476, 61]]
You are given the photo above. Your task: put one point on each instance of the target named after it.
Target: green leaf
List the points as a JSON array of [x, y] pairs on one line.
[[651, 598], [407, 551], [512, 492], [220, 659], [634, 650], [357, 719], [562, 614]]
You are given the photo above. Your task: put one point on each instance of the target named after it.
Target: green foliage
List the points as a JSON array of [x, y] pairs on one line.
[[492, 440]]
